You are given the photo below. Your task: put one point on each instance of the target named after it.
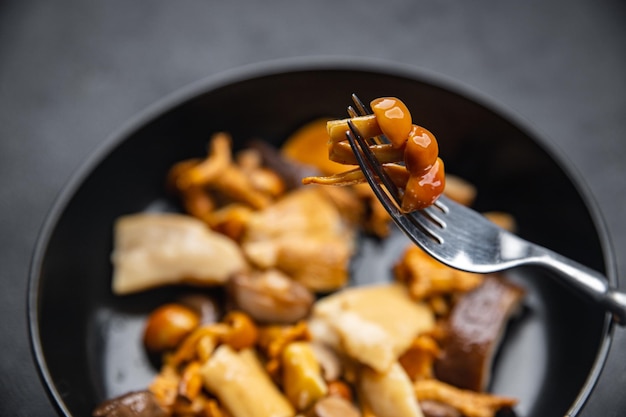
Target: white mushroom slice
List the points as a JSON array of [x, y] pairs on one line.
[[302, 375], [329, 361], [373, 324], [390, 393], [304, 236], [241, 384], [153, 250]]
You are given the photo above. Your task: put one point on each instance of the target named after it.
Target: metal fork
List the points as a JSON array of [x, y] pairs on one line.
[[464, 239]]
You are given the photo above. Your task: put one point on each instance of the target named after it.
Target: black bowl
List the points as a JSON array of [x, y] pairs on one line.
[[87, 341]]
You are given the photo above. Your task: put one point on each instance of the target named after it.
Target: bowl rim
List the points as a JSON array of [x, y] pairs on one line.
[[274, 67]]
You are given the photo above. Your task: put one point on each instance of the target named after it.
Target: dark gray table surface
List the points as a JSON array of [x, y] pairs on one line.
[[71, 72]]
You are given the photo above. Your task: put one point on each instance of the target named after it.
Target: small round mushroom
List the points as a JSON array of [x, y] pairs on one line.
[[168, 325], [240, 331]]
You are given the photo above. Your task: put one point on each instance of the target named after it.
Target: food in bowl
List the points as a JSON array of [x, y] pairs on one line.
[[420, 177], [291, 336]]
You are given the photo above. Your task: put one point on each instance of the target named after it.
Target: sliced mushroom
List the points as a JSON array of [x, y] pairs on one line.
[[389, 393], [373, 324], [304, 236], [329, 361], [154, 249], [475, 328], [133, 404], [302, 375], [241, 384], [270, 296]]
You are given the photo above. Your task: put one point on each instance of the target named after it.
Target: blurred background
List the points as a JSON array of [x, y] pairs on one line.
[[72, 72]]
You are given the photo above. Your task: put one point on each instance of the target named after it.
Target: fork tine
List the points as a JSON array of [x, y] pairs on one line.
[[380, 172], [431, 215], [374, 164], [360, 106], [363, 110], [430, 226], [424, 221], [371, 169], [352, 112], [441, 205]]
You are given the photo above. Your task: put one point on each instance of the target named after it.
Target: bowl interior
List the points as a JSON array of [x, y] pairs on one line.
[[87, 341]]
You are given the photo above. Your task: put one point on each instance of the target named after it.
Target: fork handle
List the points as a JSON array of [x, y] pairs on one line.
[[587, 280]]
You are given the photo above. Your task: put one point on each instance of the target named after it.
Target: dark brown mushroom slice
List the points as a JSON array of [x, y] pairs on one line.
[[133, 404], [475, 328]]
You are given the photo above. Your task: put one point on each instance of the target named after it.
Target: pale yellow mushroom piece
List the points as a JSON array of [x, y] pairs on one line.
[[242, 386], [372, 324], [152, 250], [303, 235], [366, 125], [302, 375], [388, 394], [426, 277], [469, 403]]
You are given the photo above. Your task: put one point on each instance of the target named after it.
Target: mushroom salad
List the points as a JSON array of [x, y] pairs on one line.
[[276, 328]]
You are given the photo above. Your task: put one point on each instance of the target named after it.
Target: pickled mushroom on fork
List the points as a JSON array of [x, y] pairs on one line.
[[281, 334], [410, 158]]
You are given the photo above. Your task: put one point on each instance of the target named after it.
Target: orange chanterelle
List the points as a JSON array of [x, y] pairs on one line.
[[410, 156]]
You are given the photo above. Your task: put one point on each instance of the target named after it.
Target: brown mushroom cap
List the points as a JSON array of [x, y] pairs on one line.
[[476, 325]]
